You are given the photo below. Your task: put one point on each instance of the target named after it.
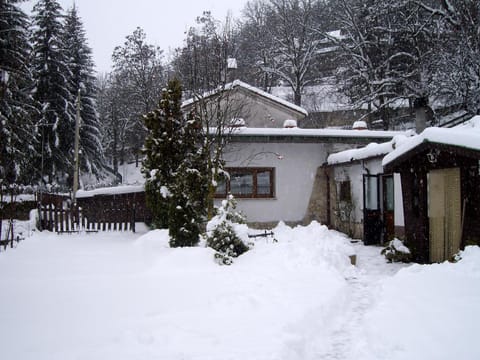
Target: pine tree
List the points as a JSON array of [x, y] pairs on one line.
[[189, 190], [163, 151], [82, 80], [176, 169], [52, 91], [17, 133]]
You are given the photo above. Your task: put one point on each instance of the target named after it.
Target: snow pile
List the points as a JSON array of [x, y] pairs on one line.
[[120, 296], [428, 312]]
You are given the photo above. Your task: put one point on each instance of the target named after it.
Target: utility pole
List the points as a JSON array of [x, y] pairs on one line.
[[77, 145]]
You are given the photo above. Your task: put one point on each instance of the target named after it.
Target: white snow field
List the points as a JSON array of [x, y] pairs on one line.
[[129, 296]]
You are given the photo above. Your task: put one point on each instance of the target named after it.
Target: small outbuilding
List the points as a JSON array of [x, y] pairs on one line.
[[440, 178], [364, 201]]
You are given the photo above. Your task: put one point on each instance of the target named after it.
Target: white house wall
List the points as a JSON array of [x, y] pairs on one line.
[[352, 173], [295, 169]]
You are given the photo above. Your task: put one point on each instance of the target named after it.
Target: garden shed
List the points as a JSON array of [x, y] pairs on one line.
[[440, 178]]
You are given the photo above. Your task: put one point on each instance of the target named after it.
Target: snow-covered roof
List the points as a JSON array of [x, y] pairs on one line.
[[370, 151], [314, 133], [110, 191], [466, 135], [243, 85]]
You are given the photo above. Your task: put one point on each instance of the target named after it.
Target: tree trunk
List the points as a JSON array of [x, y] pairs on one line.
[[297, 97]]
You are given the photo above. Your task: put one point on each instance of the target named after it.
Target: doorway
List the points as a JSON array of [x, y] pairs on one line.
[[444, 213], [378, 209]]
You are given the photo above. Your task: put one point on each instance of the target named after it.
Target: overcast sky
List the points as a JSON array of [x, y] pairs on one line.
[[108, 22]]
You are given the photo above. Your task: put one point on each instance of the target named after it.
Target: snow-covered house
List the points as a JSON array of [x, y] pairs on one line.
[[239, 100], [277, 174], [275, 168], [440, 185], [363, 200]]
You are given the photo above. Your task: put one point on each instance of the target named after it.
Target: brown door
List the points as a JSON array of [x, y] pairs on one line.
[[444, 212], [372, 216]]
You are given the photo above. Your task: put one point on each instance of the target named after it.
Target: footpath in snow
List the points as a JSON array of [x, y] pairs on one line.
[[338, 332], [125, 296]]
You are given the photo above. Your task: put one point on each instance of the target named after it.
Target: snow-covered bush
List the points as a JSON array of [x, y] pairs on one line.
[[221, 233], [396, 251]]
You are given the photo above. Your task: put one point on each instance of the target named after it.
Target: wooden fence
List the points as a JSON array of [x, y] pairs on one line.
[[115, 212], [75, 219]]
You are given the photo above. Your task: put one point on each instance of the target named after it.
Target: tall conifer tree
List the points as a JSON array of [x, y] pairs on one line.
[[16, 131], [52, 91], [175, 168], [163, 151], [82, 80]]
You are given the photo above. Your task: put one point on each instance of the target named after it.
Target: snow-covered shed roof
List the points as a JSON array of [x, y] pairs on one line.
[[466, 135], [242, 85], [372, 150], [116, 190], [293, 135]]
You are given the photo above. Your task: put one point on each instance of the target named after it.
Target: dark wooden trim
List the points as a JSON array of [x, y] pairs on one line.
[[427, 146]]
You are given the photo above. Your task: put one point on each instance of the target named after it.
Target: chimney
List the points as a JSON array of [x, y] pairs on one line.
[[290, 124], [359, 125], [420, 105], [231, 69]]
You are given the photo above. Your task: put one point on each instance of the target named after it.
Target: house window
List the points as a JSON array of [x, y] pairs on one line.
[[247, 183]]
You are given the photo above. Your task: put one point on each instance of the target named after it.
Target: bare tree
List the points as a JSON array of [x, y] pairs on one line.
[[385, 54], [456, 73], [288, 42], [119, 123], [138, 67], [201, 64]]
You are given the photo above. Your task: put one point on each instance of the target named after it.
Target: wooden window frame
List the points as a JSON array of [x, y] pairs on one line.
[[251, 171]]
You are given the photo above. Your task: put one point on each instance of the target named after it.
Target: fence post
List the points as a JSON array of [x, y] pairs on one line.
[[40, 216], [132, 226], [10, 230]]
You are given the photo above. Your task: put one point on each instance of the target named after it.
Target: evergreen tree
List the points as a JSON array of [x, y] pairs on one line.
[[17, 133], [53, 93], [175, 167], [163, 152], [82, 80], [189, 190]]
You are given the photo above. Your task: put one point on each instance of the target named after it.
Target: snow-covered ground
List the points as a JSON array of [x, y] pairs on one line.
[[130, 296]]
